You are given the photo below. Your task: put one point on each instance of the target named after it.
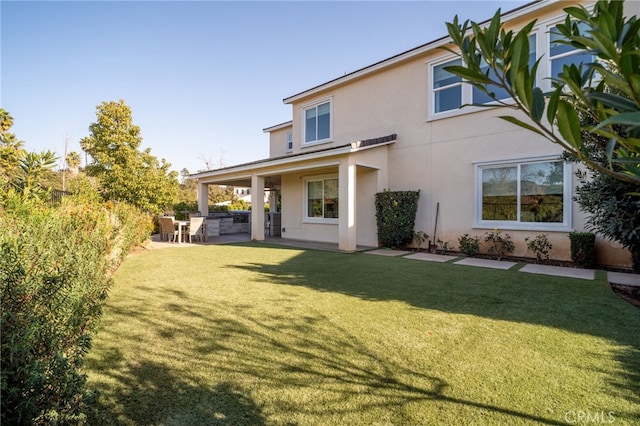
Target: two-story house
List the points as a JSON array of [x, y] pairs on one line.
[[397, 124]]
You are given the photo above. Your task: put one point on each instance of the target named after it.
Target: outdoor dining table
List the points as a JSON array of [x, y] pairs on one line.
[[180, 224]]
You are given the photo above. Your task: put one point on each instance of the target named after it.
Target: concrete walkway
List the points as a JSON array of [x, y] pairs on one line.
[[558, 271]]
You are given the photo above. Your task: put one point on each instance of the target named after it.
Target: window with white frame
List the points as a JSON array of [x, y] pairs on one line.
[[479, 97], [321, 198], [317, 122], [447, 88], [531, 194], [561, 54], [449, 93], [289, 141]]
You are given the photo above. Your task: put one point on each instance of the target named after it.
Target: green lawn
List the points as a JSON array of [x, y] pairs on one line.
[[254, 334]]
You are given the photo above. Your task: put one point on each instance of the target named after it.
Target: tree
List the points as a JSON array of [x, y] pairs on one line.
[[221, 194], [34, 168], [125, 173], [612, 204], [21, 172], [11, 151], [73, 162], [496, 58]]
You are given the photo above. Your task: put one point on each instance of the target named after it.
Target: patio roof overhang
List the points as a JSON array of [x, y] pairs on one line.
[[240, 175]]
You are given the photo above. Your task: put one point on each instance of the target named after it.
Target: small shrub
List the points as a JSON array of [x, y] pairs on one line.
[[583, 248], [396, 217], [469, 245], [420, 237], [499, 244], [540, 246], [444, 246]]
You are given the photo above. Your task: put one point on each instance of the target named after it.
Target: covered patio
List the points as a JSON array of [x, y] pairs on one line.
[[359, 167]]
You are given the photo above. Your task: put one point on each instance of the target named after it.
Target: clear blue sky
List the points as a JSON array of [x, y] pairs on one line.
[[202, 78]]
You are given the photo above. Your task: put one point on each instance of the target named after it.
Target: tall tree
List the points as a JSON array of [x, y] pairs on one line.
[[11, 151], [494, 58], [124, 172], [73, 162]]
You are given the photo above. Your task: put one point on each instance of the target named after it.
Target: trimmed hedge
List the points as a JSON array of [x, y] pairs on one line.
[[583, 248], [396, 217], [55, 269]]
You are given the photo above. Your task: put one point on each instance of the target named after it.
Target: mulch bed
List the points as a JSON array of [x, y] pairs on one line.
[[629, 293]]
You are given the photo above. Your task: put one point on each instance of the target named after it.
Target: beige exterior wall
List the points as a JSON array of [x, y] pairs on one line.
[[436, 156], [278, 141]]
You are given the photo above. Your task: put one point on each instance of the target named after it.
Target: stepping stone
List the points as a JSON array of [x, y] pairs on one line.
[[559, 271], [385, 252], [485, 263], [430, 257], [624, 279]]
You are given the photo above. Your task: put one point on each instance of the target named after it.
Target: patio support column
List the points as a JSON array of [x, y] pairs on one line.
[[203, 199], [257, 207], [347, 205]]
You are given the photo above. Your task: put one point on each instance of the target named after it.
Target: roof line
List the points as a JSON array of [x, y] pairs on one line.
[[354, 146], [277, 126], [395, 58]]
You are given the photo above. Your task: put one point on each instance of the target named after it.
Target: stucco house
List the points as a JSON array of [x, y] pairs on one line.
[[397, 125]]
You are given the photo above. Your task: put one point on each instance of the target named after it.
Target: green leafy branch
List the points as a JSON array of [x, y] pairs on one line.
[[607, 90]]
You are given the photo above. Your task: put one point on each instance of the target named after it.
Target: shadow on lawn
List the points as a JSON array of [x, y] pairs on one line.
[[308, 369], [578, 306], [151, 393], [297, 367]]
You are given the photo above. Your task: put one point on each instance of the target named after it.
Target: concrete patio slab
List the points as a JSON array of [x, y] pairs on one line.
[[430, 257], [386, 252], [624, 279], [559, 271], [485, 263]]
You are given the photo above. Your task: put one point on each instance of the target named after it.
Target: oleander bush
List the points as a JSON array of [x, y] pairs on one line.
[[396, 217], [55, 269]]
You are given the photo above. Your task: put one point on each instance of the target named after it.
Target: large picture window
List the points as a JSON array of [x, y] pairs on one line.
[[322, 198], [532, 194], [317, 122]]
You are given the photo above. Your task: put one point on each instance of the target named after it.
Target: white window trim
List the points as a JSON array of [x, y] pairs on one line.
[[289, 139], [315, 104], [542, 31], [567, 200], [466, 91], [305, 201]]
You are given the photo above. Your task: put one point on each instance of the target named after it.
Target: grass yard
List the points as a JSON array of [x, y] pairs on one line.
[[254, 334]]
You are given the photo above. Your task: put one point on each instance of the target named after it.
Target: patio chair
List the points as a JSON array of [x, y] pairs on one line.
[[167, 229], [195, 228]]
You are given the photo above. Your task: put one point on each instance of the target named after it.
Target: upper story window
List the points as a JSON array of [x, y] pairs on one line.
[[447, 88], [529, 194], [561, 54], [449, 93], [289, 141], [479, 97], [317, 122]]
